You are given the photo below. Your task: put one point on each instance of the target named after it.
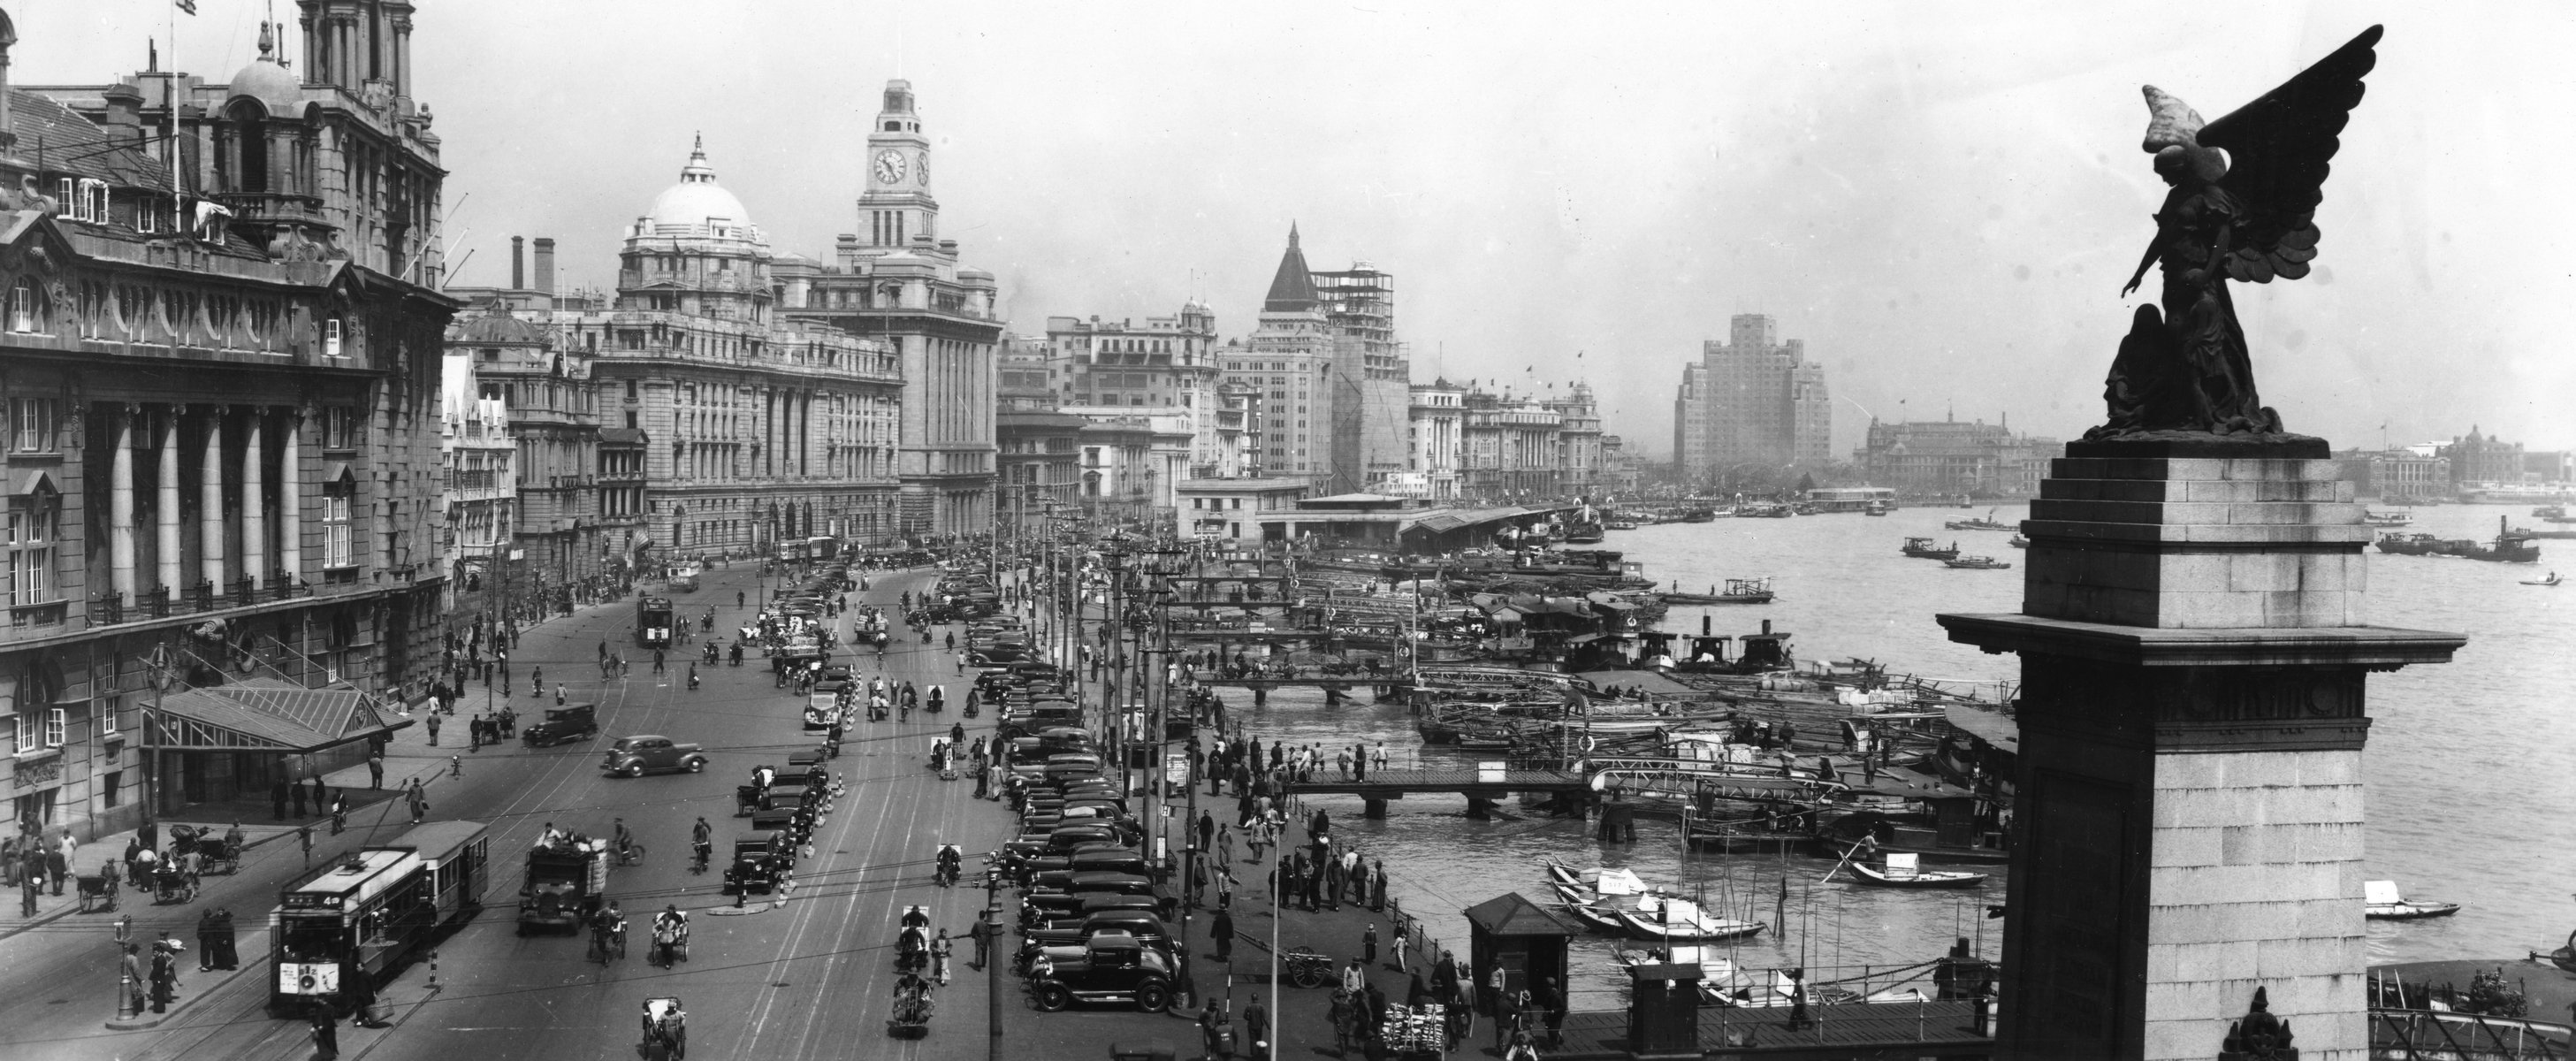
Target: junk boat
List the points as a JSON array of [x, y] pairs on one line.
[[1980, 563], [1904, 870], [1738, 591], [1987, 522], [2381, 902], [1926, 549], [2508, 547]]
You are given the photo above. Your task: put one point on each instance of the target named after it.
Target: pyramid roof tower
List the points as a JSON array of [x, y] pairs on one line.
[[1292, 289]]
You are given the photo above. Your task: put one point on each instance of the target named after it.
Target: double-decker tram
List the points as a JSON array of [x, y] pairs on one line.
[[343, 929], [653, 622]]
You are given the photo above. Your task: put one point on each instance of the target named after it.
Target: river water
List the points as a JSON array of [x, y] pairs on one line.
[[2469, 790]]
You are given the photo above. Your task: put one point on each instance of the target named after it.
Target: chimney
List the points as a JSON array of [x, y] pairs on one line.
[[546, 264], [518, 263]]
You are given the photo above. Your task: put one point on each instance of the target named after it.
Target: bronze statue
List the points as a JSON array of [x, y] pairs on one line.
[[2243, 208]]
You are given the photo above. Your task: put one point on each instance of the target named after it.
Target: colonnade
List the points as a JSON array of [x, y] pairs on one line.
[[215, 522]]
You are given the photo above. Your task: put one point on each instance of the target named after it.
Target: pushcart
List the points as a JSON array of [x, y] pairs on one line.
[[666, 1030]]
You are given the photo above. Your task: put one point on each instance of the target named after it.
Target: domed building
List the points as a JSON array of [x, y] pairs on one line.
[[753, 430]]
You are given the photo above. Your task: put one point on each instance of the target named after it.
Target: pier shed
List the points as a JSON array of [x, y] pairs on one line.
[[1526, 940]]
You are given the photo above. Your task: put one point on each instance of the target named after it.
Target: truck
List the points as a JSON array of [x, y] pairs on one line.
[[566, 884]]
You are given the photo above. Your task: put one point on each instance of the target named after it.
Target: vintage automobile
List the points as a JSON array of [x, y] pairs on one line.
[[762, 865], [1112, 967], [1144, 925], [565, 724], [651, 753]]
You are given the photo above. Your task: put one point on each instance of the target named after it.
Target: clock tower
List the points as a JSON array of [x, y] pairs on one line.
[[896, 207]]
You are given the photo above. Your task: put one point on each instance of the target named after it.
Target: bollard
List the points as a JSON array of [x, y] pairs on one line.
[[433, 970]]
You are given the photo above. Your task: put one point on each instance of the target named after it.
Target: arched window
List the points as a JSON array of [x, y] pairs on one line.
[[250, 147], [25, 308]]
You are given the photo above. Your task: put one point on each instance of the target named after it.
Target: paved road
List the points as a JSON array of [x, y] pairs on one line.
[[810, 978]]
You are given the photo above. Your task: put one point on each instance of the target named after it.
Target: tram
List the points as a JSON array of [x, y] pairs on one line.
[[343, 929], [653, 622]]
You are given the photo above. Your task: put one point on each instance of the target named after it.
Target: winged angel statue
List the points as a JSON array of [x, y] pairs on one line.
[[2243, 208]]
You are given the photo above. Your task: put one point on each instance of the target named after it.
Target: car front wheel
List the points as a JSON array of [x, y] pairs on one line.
[[1152, 998], [636, 770], [1053, 997], [697, 766]]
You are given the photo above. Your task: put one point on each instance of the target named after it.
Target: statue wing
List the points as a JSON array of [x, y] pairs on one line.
[[2278, 148]]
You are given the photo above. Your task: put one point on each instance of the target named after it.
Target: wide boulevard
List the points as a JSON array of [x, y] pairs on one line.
[[809, 978]]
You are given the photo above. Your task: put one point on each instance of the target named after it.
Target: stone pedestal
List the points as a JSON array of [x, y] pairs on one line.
[[2188, 818]]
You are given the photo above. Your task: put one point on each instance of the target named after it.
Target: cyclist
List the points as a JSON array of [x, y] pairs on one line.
[[693, 676], [702, 841], [624, 841]]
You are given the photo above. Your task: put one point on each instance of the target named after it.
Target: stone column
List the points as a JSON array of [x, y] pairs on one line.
[[290, 497], [2188, 808], [210, 502], [120, 508], [254, 518], [168, 515]]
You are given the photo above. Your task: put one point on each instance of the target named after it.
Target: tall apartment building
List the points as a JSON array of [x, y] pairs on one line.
[[1752, 399], [1952, 457], [902, 284], [1332, 377], [222, 399]]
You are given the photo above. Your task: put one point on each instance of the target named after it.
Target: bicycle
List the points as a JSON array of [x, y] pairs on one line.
[[698, 861], [632, 855]]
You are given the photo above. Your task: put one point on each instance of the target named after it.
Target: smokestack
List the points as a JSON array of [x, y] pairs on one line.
[[546, 264], [518, 263]]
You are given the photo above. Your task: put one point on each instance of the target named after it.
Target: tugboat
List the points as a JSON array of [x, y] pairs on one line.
[[1979, 563], [1738, 591], [2508, 547], [1584, 529], [1924, 549]]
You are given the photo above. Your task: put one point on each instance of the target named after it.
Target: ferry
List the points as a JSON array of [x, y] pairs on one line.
[[1925, 549]]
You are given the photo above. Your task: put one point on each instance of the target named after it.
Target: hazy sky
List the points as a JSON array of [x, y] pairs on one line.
[[1941, 200]]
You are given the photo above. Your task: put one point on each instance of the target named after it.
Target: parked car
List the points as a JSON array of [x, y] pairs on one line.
[[652, 753], [570, 722], [1112, 967]]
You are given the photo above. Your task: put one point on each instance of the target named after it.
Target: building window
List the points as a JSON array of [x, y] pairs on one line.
[[31, 527], [31, 425], [339, 549], [23, 317], [57, 721], [339, 427], [331, 337]]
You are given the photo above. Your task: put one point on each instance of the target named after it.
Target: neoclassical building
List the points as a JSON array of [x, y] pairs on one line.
[[901, 285], [223, 423], [755, 428]]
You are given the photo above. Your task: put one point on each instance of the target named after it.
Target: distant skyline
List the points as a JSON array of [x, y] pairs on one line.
[[1942, 203]]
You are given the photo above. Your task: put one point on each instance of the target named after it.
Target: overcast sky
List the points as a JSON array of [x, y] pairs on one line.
[[1942, 200]]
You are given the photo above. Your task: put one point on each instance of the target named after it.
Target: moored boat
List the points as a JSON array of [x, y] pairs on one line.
[[1902, 870], [1669, 919], [1978, 563], [1700, 515], [2381, 901], [2552, 580], [2019, 542]]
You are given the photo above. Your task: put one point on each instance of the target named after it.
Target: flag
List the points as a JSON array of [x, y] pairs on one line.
[[189, 6]]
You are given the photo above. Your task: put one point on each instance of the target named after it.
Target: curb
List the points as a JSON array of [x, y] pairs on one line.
[[149, 1019]]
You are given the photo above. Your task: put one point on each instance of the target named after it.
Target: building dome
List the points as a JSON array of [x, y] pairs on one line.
[[269, 83], [497, 328], [697, 200]]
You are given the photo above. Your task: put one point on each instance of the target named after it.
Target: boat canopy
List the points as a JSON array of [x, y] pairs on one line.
[[2380, 892], [1615, 882]]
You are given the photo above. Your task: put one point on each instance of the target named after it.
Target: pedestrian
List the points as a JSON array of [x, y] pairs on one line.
[[206, 941], [1368, 944], [433, 742], [227, 941], [939, 950], [982, 935], [1225, 848], [29, 887], [326, 1029], [376, 769], [560, 692], [1377, 887], [57, 866], [1256, 1029], [1355, 977], [1207, 830], [418, 800], [340, 813], [1222, 931], [1212, 1031], [165, 977], [296, 788], [277, 800], [1403, 941], [304, 836]]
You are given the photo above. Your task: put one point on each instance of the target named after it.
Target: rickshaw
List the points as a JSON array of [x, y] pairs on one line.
[[666, 1030], [170, 884], [912, 1007], [670, 940], [99, 888]]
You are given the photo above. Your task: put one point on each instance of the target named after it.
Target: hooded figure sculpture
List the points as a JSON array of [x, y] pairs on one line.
[[2243, 208]]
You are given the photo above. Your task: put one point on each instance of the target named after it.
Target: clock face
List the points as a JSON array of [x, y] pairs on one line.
[[921, 171], [889, 167]]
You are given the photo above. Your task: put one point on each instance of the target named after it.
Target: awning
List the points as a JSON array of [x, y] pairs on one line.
[[267, 715], [1994, 728], [337, 470]]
